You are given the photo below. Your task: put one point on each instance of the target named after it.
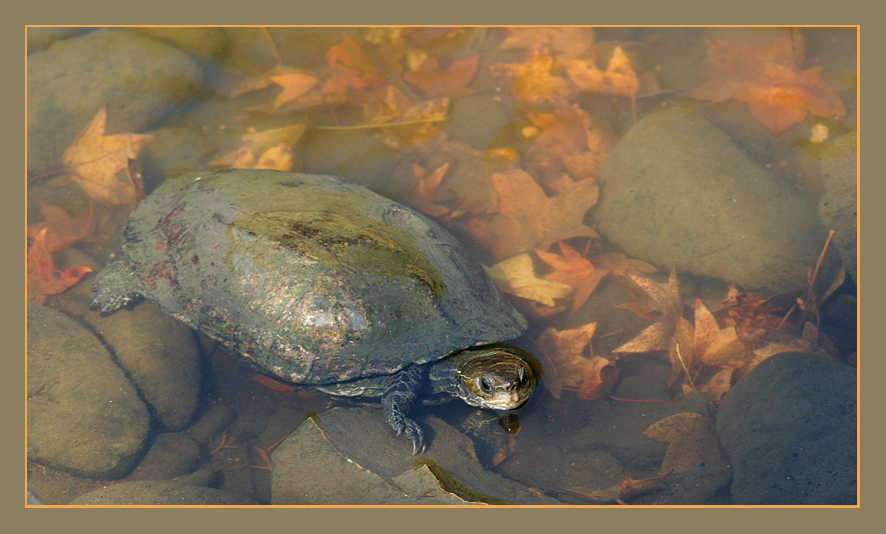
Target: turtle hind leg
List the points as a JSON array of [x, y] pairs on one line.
[[399, 397], [115, 287]]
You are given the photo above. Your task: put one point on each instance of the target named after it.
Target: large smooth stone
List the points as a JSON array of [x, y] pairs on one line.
[[138, 78], [84, 416], [838, 207], [790, 429], [680, 194]]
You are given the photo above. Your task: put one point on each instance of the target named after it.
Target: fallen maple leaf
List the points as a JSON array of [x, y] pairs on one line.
[[94, 159], [573, 269], [426, 74], [268, 149], [716, 347], [618, 79], [770, 80], [591, 376], [61, 229], [516, 276], [349, 61], [533, 82], [422, 197], [422, 120], [570, 141], [657, 336], [670, 331], [692, 442], [43, 278], [525, 218], [568, 42], [294, 83]]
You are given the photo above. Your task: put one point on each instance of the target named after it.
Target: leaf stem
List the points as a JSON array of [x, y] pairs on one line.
[[381, 125]]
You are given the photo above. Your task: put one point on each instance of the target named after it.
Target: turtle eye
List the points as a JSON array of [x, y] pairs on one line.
[[485, 385]]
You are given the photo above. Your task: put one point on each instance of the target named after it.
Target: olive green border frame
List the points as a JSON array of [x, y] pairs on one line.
[[451, 12]]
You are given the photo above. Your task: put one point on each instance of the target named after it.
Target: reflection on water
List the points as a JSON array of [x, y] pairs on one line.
[[581, 167]]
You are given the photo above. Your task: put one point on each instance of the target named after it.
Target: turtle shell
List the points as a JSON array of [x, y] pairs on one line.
[[309, 278]]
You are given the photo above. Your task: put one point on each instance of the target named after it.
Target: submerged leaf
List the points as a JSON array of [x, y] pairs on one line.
[[95, 159]]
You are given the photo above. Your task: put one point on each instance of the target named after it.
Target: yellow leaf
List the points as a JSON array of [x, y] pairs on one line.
[[94, 159], [516, 276]]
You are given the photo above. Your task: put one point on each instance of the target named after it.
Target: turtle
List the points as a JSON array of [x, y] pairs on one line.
[[326, 284]]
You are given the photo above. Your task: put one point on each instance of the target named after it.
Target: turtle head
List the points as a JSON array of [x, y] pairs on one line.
[[498, 377]]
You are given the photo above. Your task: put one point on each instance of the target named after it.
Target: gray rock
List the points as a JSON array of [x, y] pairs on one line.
[[789, 428], [157, 352], [138, 78], [679, 194], [170, 456], [838, 207], [160, 492], [84, 416], [351, 457]]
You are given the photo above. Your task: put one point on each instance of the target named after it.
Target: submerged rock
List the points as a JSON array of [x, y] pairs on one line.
[[838, 207], [789, 428], [84, 416], [679, 193], [138, 78]]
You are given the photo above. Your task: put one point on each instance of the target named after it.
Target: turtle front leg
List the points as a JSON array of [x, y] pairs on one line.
[[399, 397]]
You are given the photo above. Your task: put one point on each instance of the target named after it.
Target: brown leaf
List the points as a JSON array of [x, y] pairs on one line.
[[670, 331], [533, 82], [294, 84], [570, 141], [716, 347], [525, 218], [62, 229], [43, 278], [422, 197], [398, 108], [573, 269], [658, 335], [94, 159], [618, 79], [516, 276], [268, 149], [350, 62], [592, 376], [569, 42], [434, 82], [770, 80], [692, 442]]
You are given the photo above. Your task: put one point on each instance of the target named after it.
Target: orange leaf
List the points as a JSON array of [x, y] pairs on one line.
[[715, 347], [43, 278], [533, 81], [525, 218], [770, 80], [63, 230], [567, 42], [435, 82], [618, 79], [294, 84], [94, 159], [349, 61], [425, 189], [573, 269], [592, 376]]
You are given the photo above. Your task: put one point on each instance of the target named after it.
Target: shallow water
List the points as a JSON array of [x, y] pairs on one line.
[[486, 108]]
